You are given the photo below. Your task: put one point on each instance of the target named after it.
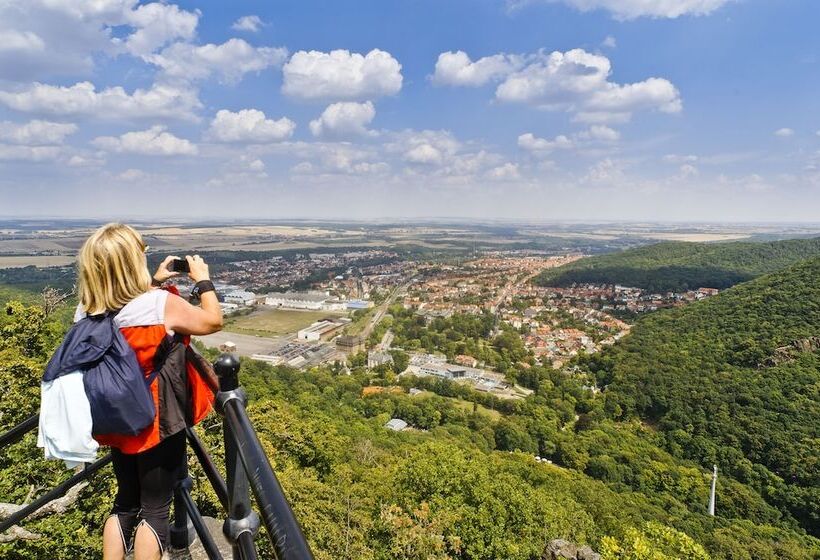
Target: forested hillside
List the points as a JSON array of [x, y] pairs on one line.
[[463, 484], [680, 266], [736, 380]]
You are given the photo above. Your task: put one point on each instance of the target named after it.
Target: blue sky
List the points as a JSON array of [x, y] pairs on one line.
[[683, 110]]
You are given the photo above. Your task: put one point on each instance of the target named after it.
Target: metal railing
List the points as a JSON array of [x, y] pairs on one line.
[[247, 470]]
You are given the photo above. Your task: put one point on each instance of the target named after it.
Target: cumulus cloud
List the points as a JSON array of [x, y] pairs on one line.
[[784, 132], [532, 143], [152, 142], [251, 24], [575, 80], [230, 61], [341, 75], [36, 132], [602, 133], [78, 160], [45, 38], [344, 119], [423, 153], [29, 153], [157, 24], [507, 172], [83, 99], [457, 69], [609, 42], [132, 175], [632, 9], [249, 126], [579, 81], [20, 42]]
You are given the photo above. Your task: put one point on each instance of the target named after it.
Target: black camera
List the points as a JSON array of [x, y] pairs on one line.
[[179, 265]]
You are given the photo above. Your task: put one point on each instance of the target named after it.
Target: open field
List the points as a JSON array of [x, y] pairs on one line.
[[246, 344], [466, 406], [36, 260], [276, 322]]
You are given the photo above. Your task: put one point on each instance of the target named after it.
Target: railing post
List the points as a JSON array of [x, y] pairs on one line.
[[182, 529], [242, 523]]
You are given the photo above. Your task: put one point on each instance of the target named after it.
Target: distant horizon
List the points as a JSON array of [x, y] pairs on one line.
[[398, 219]]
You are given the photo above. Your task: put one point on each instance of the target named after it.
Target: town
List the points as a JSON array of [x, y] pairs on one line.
[[346, 302]]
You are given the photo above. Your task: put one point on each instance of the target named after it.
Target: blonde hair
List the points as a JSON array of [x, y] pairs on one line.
[[112, 269]]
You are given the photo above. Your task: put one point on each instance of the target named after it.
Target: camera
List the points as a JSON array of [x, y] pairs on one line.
[[179, 265]]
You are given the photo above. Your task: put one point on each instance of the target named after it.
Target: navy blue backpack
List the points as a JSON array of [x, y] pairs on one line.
[[117, 389]]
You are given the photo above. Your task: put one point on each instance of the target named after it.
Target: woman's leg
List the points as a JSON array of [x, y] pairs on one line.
[[119, 527], [159, 469]]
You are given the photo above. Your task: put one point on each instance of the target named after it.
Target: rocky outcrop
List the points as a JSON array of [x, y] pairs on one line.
[[788, 353], [559, 549]]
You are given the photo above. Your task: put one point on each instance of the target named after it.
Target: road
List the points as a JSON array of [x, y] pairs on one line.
[[381, 311]]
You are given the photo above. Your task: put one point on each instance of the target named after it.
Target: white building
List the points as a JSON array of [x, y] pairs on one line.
[[241, 297], [297, 300], [319, 330]]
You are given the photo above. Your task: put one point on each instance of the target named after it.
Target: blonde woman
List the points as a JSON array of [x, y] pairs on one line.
[[114, 276]]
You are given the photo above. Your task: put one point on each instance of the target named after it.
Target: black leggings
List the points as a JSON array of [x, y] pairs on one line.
[[145, 487]]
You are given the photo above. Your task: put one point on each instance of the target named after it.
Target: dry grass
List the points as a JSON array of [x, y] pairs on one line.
[[276, 322]]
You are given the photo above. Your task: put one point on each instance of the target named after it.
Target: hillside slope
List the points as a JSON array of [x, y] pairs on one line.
[[735, 380], [678, 266]]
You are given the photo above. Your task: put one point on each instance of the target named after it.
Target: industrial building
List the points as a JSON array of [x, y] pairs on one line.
[[240, 297], [322, 330], [297, 300]]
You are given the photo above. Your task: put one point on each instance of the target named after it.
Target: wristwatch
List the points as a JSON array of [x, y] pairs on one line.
[[202, 287]]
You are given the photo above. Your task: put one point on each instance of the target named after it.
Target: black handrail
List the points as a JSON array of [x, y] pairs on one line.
[[241, 441], [54, 493], [217, 482], [205, 537], [17, 432]]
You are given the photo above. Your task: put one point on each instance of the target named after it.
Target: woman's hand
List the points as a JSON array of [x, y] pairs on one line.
[[199, 270], [162, 274]]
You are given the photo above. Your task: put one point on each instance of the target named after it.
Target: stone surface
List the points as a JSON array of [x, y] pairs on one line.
[[195, 551], [559, 549]]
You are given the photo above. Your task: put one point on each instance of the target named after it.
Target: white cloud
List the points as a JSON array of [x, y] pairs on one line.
[[424, 153], [85, 161], [344, 119], [20, 42], [579, 81], [532, 143], [575, 81], [230, 61], [654, 93], [152, 142], [82, 99], [40, 39], [607, 172], [784, 132], [631, 9], [429, 147], [609, 42], [156, 25], [506, 172], [132, 175], [688, 171], [36, 132], [341, 74], [251, 24], [677, 159], [29, 153], [602, 133], [250, 126], [456, 68]]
